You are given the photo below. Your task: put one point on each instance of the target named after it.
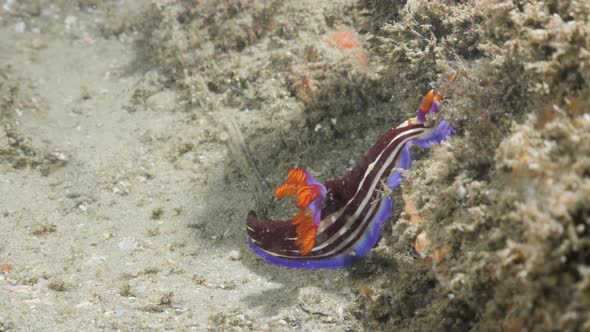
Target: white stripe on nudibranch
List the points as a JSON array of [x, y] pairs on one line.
[[383, 168], [329, 220], [369, 194]]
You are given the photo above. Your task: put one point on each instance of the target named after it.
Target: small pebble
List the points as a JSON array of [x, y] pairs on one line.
[[20, 27], [123, 187], [70, 21], [235, 255], [462, 192], [4, 142], [38, 44], [184, 148], [128, 244], [97, 259], [59, 156]]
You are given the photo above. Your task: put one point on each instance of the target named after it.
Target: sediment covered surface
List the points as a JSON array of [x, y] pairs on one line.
[[135, 137]]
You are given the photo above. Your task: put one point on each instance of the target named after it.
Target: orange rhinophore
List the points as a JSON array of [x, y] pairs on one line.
[[431, 101], [430, 97]]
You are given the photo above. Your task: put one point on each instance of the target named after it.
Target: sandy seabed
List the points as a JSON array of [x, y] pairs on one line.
[[136, 136]]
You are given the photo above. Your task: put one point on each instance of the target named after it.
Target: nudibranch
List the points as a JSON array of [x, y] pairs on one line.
[[340, 221]]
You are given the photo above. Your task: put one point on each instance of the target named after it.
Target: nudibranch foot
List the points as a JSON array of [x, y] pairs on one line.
[[436, 136]]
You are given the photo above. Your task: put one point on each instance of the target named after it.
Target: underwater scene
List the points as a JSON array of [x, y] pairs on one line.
[[274, 165]]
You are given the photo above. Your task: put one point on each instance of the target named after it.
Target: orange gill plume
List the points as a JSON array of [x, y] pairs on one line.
[[306, 192], [306, 231]]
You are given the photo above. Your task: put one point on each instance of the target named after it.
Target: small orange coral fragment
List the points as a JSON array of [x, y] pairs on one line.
[[577, 105], [439, 254], [303, 83], [345, 40], [546, 116], [521, 167], [361, 58], [422, 243], [411, 210], [5, 267], [365, 291], [452, 78]]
